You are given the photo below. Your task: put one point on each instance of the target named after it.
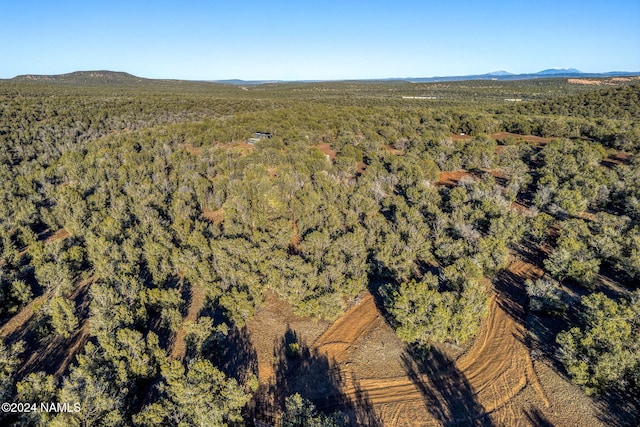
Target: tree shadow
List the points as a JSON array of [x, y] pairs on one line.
[[511, 295], [239, 358], [376, 286], [619, 411], [299, 369], [447, 393], [537, 418], [53, 354]]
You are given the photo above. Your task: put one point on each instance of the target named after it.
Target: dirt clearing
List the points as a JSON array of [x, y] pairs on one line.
[[380, 381], [216, 216], [358, 322], [325, 148], [451, 178], [196, 303]]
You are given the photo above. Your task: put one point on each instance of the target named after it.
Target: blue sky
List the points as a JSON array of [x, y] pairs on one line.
[[290, 40]]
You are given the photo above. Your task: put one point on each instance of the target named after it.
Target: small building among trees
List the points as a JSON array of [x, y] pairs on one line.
[[257, 136]]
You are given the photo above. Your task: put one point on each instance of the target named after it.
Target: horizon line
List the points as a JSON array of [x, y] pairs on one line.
[[548, 72]]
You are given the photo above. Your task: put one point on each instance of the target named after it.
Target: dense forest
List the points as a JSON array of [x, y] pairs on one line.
[[121, 202]]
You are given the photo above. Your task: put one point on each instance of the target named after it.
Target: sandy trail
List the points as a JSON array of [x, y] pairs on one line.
[[355, 323], [196, 303], [485, 385], [20, 319], [495, 369], [23, 316]]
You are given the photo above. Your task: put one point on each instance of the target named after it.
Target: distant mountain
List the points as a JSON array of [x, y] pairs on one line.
[[83, 77], [104, 77], [504, 75], [557, 71], [244, 82], [499, 73]]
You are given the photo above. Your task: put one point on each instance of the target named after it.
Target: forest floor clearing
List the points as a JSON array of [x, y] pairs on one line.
[[196, 303], [54, 353], [20, 319], [215, 217], [325, 148], [359, 366]]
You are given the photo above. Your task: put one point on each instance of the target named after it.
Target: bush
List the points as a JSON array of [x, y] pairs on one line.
[[545, 295], [604, 352]]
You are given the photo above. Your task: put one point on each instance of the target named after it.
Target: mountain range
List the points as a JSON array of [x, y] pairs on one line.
[[117, 77], [505, 75]]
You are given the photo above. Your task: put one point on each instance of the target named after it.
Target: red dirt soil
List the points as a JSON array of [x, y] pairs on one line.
[[269, 325], [22, 317], [619, 158], [325, 148], [497, 369], [355, 323], [196, 303], [295, 236], [58, 235], [195, 151], [497, 366], [500, 136], [216, 216], [451, 178], [392, 150]]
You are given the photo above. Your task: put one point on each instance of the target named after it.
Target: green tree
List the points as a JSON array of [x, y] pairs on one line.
[[604, 352], [200, 395], [63, 318], [425, 315], [37, 387], [545, 295], [300, 412], [92, 384], [10, 362]]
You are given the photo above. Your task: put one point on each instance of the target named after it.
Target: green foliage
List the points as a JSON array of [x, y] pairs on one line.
[[37, 387], [10, 361], [294, 349], [573, 258], [300, 412], [426, 315], [200, 334], [603, 353], [199, 395], [545, 295], [571, 177], [63, 319], [92, 384], [159, 198]]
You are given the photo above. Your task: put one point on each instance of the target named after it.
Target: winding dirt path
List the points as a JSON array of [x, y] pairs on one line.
[[495, 369], [357, 322], [196, 303], [56, 353], [20, 319]]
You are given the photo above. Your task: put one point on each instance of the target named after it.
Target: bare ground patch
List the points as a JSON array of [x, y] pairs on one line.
[[269, 325], [216, 216], [362, 364], [58, 236], [196, 303], [390, 149], [451, 178], [325, 148]]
